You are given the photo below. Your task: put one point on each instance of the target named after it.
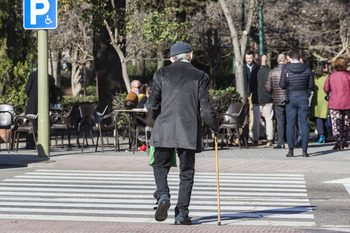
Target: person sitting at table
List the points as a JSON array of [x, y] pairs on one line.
[[145, 90], [132, 99]]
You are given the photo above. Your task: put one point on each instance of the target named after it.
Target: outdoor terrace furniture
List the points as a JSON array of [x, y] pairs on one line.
[[25, 124], [7, 115], [65, 122], [234, 118], [142, 123], [92, 121]]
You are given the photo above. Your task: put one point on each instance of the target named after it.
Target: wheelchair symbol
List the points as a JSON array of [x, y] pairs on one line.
[[48, 20]]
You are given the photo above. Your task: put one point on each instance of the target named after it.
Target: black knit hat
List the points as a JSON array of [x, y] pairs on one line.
[[179, 48]]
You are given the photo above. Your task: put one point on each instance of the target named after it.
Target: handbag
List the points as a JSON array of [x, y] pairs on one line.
[[329, 84], [285, 99]]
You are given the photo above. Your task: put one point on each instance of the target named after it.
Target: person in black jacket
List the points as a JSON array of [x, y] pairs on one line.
[[31, 89], [298, 81], [178, 101], [262, 102]]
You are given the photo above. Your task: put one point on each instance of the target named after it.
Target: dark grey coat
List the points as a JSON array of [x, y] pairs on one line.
[[178, 101]]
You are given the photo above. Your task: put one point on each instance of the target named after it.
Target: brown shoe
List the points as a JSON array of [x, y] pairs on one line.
[[290, 153], [270, 142], [305, 154]]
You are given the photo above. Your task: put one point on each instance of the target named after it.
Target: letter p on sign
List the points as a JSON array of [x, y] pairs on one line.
[[34, 11], [40, 14]]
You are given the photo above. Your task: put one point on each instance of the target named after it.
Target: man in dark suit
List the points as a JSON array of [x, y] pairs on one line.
[[178, 101], [31, 89], [250, 71]]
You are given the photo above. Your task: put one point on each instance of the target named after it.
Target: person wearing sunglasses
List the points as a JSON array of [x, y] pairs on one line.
[[132, 99]]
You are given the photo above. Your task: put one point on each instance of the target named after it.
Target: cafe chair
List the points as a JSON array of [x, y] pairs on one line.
[[105, 111], [7, 115], [145, 124], [235, 118], [25, 124], [91, 121], [108, 123], [65, 122]]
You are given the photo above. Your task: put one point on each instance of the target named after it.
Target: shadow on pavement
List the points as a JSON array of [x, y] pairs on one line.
[[254, 214], [18, 160]]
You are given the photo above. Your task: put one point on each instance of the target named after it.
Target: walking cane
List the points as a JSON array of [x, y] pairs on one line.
[[217, 177]]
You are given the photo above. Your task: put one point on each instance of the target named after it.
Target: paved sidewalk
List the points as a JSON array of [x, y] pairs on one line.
[[254, 159]]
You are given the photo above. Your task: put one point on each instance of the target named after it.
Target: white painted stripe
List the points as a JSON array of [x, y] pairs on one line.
[[293, 224], [248, 222], [140, 212], [197, 183], [148, 206], [340, 181], [224, 177], [194, 192], [225, 201], [46, 194], [147, 187], [175, 179], [172, 172]]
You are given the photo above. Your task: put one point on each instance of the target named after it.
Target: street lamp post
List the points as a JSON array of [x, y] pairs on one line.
[[261, 36]]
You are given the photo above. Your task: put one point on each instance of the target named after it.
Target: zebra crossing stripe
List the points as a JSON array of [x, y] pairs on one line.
[[147, 187], [224, 176], [197, 183], [231, 201], [170, 179], [142, 212], [148, 173]]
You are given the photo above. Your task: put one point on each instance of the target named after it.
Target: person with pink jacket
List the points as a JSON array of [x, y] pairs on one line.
[[338, 85]]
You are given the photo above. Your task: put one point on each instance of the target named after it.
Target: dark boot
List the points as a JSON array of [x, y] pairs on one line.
[[290, 153], [162, 209]]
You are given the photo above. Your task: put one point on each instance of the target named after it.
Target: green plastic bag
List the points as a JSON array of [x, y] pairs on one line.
[[172, 162]]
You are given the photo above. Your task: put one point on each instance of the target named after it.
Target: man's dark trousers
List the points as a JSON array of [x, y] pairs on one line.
[[280, 114], [298, 106], [161, 167]]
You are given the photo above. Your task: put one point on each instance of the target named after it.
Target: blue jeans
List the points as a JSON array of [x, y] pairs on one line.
[[323, 127], [298, 106]]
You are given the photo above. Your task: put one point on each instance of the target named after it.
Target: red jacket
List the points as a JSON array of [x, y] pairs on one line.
[[340, 90]]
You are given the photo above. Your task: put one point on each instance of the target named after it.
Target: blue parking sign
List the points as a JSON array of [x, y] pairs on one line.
[[40, 14]]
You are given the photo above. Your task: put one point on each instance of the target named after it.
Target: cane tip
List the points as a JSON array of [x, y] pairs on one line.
[[219, 223]]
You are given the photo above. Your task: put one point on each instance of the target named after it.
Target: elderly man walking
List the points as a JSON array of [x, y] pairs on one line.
[[298, 81], [272, 86], [178, 101]]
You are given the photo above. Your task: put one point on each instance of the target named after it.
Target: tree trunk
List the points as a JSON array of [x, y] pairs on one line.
[[107, 66], [239, 49], [55, 66], [140, 65], [160, 57], [345, 36], [75, 79]]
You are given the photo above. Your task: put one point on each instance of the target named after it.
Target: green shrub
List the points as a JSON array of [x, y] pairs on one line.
[[13, 80], [221, 99], [69, 101], [91, 91]]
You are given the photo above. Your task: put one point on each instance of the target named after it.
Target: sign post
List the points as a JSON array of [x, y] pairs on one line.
[[41, 15]]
